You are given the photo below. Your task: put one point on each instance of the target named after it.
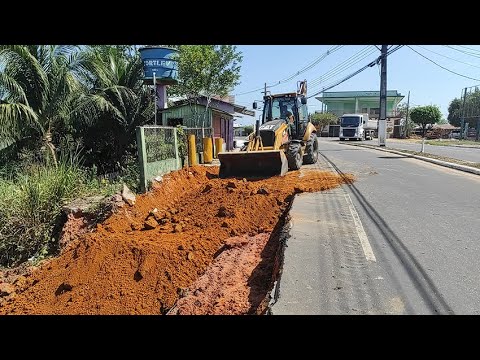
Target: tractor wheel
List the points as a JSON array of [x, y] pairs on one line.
[[311, 150], [294, 156]]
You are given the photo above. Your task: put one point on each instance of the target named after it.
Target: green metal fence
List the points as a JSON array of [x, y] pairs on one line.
[[157, 152], [160, 149]]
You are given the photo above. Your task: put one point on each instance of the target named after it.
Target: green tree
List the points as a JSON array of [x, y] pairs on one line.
[[454, 112], [38, 85], [116, 103], [206, 70], [248, 129], [470, 109], [322, 120], [424, 115]]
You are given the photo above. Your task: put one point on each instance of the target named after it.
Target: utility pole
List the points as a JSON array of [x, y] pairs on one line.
[[382, 126], [155, 87], [264, 94], [406, 117], [462, 125]]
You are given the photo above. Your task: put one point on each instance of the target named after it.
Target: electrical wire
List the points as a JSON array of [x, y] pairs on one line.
[[448, 57], [462, 51], [302, 70], [356, 72], [444, 68], [466, 47], [352, 60]]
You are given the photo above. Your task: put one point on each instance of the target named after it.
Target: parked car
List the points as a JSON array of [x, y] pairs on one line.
[[239, 142], [455, 134]]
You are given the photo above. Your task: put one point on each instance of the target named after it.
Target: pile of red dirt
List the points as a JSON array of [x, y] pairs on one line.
[[140, 259], [237, 281]]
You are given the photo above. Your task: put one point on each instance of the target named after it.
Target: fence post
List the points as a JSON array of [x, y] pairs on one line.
[[207, 150], [142, 157], [192, 150], [177, 156], [477, 134], [218, 146]]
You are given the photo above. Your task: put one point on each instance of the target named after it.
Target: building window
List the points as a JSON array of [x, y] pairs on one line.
[[374, 111], [174, 121], [364, 110]]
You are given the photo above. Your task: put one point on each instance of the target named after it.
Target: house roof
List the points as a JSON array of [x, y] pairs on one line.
[[236, 108], [356, 94]]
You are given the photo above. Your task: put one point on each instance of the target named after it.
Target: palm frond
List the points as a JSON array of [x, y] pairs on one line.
[[25, 68], [11, 90], [15, 119]]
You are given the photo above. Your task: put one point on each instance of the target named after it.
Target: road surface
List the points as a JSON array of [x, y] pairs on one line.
[[403, 239]]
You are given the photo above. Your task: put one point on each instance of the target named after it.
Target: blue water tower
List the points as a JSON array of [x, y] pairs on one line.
[[159, 63], [160, 68]]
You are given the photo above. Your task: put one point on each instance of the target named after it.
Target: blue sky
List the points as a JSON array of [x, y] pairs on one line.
[[406, 71]]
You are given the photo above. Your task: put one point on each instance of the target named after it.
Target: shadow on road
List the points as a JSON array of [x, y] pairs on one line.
[[420, 279]]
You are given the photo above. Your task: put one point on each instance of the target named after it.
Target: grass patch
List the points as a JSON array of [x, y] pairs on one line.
[[452, 142], [31, 201]]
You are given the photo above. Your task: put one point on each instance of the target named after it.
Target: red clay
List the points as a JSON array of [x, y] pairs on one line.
[[237, 281], [122, 268]]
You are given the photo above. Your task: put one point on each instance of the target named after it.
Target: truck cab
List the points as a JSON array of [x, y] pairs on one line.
[[357, 127]]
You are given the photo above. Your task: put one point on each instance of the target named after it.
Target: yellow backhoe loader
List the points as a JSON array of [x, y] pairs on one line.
[[284, 140]]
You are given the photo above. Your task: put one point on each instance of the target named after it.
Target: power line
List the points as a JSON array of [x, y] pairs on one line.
[[357, 57], [448, 57], [462, 51], [315, 62], [302, 70], [453, 72], [342, 65], [355, 73], [466, 47]]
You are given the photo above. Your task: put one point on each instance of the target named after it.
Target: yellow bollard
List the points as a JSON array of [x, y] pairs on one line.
[[218, 146], [192, 151], [207, 150]]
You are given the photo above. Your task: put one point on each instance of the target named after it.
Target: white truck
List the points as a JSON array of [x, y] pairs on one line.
[[357, 127]]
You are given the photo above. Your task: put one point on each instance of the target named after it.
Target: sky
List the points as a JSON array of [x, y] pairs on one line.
[[406, 71]]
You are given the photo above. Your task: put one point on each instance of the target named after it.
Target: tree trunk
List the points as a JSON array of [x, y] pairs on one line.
[[48, 142], [52, 151]]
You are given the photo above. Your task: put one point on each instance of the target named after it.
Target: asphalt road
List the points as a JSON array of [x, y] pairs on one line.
[[461, 153], [421, 222]]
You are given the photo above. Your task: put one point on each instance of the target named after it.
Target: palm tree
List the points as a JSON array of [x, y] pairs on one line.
[[116, 104], [38, 86]]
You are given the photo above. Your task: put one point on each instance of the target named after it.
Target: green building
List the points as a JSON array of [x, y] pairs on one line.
[[349, 102]]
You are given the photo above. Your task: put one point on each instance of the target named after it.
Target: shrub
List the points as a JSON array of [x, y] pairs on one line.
[[30, 209]]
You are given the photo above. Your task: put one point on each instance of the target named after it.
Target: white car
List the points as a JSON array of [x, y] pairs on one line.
[[239, 142]]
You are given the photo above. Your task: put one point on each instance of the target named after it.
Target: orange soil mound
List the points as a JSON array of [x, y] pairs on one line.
[[237, 281], [123, 268]]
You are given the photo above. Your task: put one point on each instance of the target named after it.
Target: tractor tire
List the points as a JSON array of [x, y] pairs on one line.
[[294, 156], [311, 150]]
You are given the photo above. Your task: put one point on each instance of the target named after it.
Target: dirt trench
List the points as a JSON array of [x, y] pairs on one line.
[[194, 237]]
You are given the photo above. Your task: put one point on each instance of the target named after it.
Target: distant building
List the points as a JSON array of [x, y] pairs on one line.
[[350, 102], [219, 116]]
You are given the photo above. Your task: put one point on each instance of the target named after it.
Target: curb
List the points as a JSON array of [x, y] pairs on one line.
[[464, 168], [453, 145]]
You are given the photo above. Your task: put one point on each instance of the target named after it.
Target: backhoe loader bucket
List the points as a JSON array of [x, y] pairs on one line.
[[252, 163]]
